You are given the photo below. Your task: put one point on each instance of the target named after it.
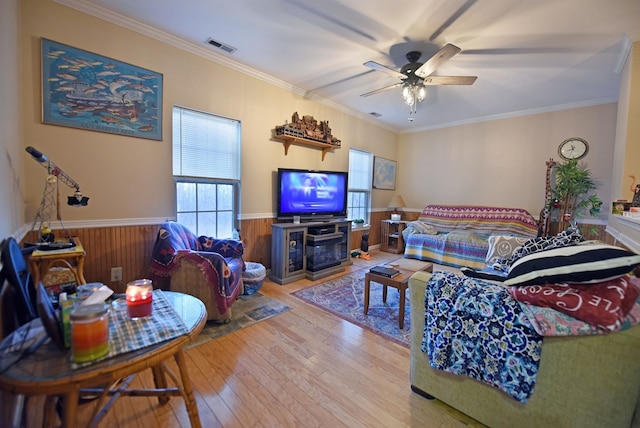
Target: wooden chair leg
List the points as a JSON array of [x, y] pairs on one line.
[[160, 381], [189, 398]]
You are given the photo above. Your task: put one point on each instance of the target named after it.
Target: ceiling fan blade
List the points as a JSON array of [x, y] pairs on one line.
[[449, 80], [440, 57], [386, 88], [379, 67]]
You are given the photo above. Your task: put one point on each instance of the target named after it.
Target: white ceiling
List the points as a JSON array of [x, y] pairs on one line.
[[529, 55]]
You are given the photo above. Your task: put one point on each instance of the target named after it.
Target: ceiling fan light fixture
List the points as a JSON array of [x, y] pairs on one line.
[[422, 93], [412, 94]]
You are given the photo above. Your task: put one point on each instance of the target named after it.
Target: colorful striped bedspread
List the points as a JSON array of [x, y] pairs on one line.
[[463, 233]]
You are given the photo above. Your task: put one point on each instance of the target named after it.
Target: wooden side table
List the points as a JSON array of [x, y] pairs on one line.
[[391, 236], [73, 258], [400, 282]]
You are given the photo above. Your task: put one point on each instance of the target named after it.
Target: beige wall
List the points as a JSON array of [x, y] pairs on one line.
[[502, 162], [11, 159], [130, 177]]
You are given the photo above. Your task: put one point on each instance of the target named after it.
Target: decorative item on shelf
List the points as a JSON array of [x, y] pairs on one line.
[[306, 131], [619, 206], [395, 203], [308, 128], [51, 196]]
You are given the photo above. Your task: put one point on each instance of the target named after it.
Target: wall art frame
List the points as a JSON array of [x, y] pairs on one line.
[[85, 90], [384, 173]]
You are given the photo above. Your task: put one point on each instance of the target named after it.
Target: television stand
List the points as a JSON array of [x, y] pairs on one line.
[[311, 250]]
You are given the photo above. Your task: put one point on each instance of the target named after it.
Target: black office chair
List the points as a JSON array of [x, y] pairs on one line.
[[18, 299], [17, 273]]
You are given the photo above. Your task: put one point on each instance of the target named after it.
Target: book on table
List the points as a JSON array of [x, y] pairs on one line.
[[384, 271]]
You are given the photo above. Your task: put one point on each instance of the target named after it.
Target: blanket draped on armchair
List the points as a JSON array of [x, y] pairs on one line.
[[220, 260]]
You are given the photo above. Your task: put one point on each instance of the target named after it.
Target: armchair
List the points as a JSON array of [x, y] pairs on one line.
[[207, 268]]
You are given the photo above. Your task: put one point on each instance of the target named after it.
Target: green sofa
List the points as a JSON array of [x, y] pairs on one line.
[[587, 381]]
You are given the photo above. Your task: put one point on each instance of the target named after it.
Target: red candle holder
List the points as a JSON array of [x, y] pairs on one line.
[[140, 298]]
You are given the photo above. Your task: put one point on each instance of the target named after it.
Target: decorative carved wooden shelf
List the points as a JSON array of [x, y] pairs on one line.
[[288, 140]]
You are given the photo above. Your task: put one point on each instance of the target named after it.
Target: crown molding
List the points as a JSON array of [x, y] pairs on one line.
[[549, 109], [205, 52]]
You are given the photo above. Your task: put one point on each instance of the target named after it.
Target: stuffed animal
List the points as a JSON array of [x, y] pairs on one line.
[[364, 244]]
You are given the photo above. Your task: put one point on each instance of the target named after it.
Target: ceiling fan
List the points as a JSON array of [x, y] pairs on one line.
[[415, 75]]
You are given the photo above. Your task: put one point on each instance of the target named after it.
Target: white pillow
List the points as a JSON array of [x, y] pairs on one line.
[[502, 247]]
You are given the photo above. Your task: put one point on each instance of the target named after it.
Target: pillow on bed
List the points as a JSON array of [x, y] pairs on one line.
[[502, 247], [575, 264]]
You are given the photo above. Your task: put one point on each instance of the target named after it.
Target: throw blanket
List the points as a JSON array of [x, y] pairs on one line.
[[219, 260], [172, 237], [604, 305], [477, 329]]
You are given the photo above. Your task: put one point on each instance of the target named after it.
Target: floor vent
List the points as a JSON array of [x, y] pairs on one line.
[[222, 46]]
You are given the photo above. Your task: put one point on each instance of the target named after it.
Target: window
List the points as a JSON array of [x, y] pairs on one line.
[[360, 174], [206, 170]]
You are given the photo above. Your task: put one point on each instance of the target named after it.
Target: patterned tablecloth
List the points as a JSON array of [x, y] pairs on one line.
[[126, 335]]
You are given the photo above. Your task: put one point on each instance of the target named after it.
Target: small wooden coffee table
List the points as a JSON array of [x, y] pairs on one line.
[[407, 267]]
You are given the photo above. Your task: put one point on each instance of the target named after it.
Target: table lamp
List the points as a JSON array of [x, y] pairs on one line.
[[395, 203]]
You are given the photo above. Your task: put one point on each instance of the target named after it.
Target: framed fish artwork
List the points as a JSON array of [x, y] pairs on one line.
[[84, 90]]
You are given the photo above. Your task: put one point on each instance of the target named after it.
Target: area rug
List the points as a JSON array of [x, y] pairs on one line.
[[344, 297], [246, 311]]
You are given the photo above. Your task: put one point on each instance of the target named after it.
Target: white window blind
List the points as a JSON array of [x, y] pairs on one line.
[[360, 177], [205, 145], [360, 170]]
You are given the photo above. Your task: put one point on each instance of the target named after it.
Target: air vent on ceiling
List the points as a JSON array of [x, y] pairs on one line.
[[375, 114], [222, 46]]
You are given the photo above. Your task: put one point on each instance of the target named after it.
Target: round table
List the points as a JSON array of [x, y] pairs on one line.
[[48, 371]]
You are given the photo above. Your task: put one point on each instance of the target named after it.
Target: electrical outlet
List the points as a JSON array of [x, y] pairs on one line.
[[116, 274]]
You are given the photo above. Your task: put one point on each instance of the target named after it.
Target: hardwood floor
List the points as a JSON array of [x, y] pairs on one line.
[[302, 368]]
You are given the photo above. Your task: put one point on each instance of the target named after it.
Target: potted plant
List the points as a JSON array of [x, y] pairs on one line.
[[358, 223], [573, 193]]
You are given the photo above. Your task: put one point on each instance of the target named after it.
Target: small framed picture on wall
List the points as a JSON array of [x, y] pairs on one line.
[[384, 173]]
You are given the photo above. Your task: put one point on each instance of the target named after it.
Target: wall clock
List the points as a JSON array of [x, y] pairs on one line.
[[573, 148]]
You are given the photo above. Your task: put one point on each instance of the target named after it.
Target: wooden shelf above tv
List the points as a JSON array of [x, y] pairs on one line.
[[288, 140]]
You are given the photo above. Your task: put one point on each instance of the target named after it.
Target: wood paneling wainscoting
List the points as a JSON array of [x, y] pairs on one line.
[[130, 247]]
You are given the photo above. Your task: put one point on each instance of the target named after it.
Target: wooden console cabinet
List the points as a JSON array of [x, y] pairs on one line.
[[309, 250], [391, 236]]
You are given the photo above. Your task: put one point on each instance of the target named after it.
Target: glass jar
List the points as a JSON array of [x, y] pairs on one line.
[[89, 333], [140, 298]]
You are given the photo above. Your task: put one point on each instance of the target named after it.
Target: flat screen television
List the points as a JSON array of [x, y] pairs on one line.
[[312, 195]]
